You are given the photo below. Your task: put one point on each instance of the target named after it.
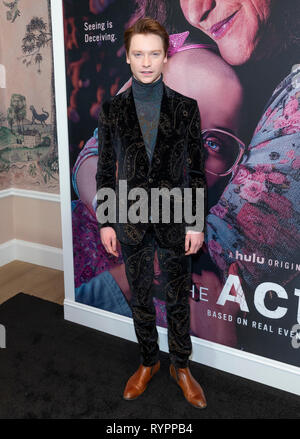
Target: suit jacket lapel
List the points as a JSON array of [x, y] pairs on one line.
[[164, 126]]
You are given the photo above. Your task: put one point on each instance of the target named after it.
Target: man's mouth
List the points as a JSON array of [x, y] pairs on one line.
[[219, 29]]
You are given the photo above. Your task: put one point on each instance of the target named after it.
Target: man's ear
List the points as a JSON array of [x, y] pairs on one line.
[[127, 58]]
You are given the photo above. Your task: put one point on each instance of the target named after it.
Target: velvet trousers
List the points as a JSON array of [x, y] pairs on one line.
[[175, 279]]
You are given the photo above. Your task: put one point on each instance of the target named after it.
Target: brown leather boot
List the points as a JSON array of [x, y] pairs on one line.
[[192, 390], [138, 382]]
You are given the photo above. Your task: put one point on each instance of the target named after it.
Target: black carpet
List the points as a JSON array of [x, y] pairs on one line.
[[55, 369]]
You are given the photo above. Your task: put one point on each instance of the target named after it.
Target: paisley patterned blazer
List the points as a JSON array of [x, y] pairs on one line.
[[177, 162]]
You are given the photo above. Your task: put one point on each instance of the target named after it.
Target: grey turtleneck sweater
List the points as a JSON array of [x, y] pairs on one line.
[[147, 98]]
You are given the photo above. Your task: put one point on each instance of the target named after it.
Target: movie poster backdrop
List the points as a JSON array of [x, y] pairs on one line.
[[246, 283]]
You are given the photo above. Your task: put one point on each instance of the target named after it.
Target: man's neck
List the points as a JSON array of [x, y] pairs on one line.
[[148, 83], [147, 91]]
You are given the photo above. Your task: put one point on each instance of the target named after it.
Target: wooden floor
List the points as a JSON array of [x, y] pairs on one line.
[[22, 277]]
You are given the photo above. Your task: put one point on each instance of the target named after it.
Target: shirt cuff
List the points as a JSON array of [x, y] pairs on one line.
[[194, 232], [94, 203]]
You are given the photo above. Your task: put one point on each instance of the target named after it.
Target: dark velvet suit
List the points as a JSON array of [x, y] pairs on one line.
[[177, 161]]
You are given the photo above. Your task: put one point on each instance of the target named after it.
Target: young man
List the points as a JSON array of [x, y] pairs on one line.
[[150, 137]]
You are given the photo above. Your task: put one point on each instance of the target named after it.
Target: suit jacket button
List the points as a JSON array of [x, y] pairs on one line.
[[150, 180]]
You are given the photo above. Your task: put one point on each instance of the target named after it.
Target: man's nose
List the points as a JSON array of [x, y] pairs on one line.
[[146, 61]]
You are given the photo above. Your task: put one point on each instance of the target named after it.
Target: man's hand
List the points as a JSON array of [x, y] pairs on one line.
[[193, 242], [109, 240]]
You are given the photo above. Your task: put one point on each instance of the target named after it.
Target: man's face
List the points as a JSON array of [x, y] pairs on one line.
[[235, 25], [146, 57]]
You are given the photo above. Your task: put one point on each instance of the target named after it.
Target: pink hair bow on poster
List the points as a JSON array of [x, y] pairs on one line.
[[177, 44]]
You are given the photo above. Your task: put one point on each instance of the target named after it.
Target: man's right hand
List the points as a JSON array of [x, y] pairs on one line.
[[109, 240]]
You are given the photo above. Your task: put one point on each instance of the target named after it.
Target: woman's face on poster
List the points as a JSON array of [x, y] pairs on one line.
[[235, 25]]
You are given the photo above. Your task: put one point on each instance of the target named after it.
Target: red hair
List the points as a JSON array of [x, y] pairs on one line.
[[146, 25]]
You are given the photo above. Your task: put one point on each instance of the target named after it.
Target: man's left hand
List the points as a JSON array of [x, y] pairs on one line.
[[193, 242]]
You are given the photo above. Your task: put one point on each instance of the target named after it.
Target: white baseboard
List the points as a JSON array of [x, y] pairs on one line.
[[253, 367], [31, 252], [46, 196]]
